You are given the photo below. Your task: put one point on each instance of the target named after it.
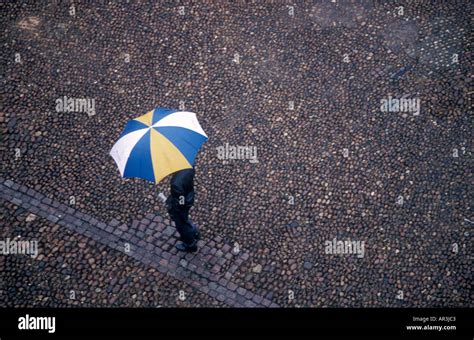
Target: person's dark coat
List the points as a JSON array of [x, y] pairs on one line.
[[182, 187]]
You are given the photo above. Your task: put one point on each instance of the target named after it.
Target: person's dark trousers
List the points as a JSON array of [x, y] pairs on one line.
[[180, 202]]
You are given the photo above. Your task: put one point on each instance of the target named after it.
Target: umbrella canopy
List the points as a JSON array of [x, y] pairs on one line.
[[158, 143]]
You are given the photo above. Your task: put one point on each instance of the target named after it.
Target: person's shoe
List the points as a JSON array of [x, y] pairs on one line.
[[184, 247]]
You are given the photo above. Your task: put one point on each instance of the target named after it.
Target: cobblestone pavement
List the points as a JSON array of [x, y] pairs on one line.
[[304, 84], [79, 271], [150, 241]]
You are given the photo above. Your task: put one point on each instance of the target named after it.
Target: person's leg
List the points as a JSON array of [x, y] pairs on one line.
[[189, 242], [197, 233], [185, 229], [179, 213], [195, 230]]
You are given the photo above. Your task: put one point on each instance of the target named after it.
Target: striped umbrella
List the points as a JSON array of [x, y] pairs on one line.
[[158, 143]]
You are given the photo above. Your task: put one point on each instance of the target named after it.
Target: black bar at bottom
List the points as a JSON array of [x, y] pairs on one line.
[[164, 323]]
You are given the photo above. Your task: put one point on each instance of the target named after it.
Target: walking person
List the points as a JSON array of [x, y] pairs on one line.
[[179, 202], [159, 143]]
